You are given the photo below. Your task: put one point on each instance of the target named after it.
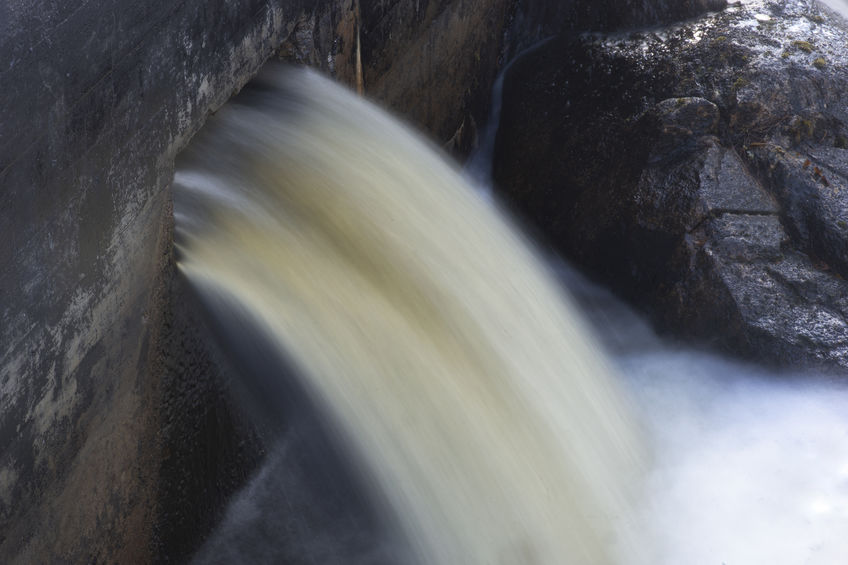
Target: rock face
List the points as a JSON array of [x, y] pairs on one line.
[[535, 20], [701, 170], [434, 62]]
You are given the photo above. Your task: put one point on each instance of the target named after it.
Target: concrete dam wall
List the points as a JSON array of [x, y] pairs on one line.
[[97, 99], [115, 441]]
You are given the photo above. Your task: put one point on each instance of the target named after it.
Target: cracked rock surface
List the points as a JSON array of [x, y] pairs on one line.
[[700, 169]]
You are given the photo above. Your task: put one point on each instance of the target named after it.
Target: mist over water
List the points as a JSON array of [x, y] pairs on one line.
[[747, 469], [749, 465], [838, 6], [472, 397]]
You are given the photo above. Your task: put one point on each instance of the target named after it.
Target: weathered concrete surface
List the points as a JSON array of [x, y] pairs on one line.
[[209, 445], [96, 99]]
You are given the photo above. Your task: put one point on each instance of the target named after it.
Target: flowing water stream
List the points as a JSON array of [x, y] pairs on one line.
[[475, 405], [440, 351]]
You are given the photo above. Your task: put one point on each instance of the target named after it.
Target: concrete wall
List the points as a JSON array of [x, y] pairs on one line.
[[97, 97], [110, 413]]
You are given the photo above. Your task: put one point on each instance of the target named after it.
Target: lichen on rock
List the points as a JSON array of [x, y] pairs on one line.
[[700, 169]]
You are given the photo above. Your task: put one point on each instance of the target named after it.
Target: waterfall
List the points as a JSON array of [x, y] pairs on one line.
[[451, 371], [478, 169]]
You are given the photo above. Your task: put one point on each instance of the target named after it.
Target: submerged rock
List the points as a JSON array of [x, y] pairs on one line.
[[700, 169]]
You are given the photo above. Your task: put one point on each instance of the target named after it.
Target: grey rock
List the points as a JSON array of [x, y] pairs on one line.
[[813, 192], [700, 169], [741, 238], [535, 20], [728, 187]]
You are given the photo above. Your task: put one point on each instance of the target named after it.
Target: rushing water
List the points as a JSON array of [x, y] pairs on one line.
[[450, 367], [749, 466], [478, 169], [459, 382]]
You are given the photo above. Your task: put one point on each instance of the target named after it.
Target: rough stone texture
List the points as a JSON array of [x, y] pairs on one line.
[[324, 37], [434, 62], [209, 445], [700, 169], [537, 19]]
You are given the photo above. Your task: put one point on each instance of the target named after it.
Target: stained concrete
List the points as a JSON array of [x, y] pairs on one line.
[[97, 98]]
